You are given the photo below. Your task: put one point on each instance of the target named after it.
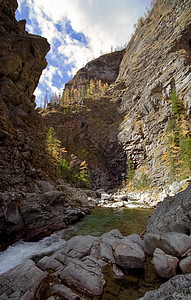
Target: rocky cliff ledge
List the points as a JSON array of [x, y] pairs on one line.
[[104, 68], [29, 201]]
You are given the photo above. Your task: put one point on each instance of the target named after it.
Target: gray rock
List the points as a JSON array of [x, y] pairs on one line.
[[110, 237], [83, 278], [23, 279], [152, 241], [176, 243], [48, 263], [65, 292], [185, 265], [45, 186], [178, 287], [172, 215], [165, 265], [173, 243], [80, 246], [135, 238], [117, 273], [128, 255], [106, 253]]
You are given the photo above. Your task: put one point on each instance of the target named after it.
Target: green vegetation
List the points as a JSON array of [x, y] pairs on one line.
[[72, 99], [143, 182], [176, 105], [74, 170], [130, 172], [178, 154]]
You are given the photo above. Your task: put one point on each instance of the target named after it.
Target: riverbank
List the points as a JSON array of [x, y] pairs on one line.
[[144, 198], [114, 264]]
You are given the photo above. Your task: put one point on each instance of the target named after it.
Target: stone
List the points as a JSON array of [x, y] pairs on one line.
[[177, 287], [76, 274], [128, 256], [24, 279], [117, 273], [45, 186], [48, 263], [80, 246], [65, 292], [110, 237], [135, 238], [106, 253], [152, 241], [105, 196], [172, 215], [185, 265], [174, 243], [165, 265]]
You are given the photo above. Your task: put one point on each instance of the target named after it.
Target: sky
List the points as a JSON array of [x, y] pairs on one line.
[[77, 31]]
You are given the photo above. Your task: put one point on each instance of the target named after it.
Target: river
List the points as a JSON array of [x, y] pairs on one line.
[[101, 220]]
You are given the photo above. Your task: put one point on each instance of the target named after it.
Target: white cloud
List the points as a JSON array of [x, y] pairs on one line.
[[104, 23]]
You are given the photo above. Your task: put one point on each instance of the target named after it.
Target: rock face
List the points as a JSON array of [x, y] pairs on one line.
[[148, 74], [172, 214], [104, 68], [22, 59], [92, 135], [30, 203]]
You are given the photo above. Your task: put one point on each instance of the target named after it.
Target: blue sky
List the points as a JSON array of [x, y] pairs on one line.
[[78, 31]]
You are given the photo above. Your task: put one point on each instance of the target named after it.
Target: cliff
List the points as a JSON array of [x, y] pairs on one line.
[[30, 201], [87, 122], [22, 59], [157, 64], [104, 68], [151, 98]]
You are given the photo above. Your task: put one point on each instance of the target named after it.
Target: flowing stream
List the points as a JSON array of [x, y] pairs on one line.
[[101, 220]]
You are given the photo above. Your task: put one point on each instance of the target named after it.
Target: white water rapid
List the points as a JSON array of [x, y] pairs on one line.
[[20, 252]]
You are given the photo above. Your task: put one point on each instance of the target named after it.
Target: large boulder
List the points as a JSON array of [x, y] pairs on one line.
[[172, 215], [165, 265], [128, 255], [83, 277], [173, 243], [21, 281], [185, 265], [178, 287]]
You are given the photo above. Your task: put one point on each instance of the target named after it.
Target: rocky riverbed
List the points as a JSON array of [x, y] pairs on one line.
[[114, 258]]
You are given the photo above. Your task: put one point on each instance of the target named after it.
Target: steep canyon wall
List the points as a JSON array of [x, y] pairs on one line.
[[157, 61]]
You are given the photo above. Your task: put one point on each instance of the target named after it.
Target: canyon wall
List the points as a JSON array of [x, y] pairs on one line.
[[155, 66], [31, 204], [22, 58], [157, 61]]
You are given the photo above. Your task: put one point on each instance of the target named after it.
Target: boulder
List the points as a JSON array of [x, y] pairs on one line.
[[135, 238], [174, 243], [48, 263], [110, 237], [21, 282], [83, 278], [178, 287], [165, 265], [80, 246], [117, 273], [128, 256], [172, 215], [65, 292], [185, 265]]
